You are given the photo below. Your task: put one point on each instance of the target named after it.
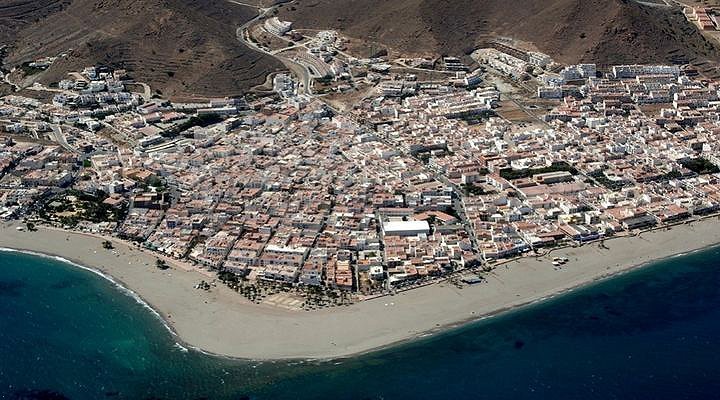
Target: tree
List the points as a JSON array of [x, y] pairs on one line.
[[107, 245], [155, 181], [228, 277], [31, 226], [161, 264]]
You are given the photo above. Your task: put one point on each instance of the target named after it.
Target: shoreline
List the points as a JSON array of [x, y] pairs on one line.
[[522, 306], [115, 282], [222, 323]]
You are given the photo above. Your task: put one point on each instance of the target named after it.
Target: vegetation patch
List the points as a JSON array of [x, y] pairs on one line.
[[71, 207], [700, 166], [29, 70], [601, 178], [472, 190], [197, 120], [557, 166]]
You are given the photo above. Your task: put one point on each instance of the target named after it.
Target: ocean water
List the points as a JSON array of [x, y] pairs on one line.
[[66, 333]]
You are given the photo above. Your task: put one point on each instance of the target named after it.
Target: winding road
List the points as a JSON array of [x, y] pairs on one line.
[[299, 70]]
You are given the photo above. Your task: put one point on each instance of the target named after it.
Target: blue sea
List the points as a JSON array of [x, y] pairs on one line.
[[67, 333]]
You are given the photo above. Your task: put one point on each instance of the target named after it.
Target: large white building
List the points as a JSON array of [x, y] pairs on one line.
[[277, 27], [632, 71], [580, 71], [539, 59], [405, 228]]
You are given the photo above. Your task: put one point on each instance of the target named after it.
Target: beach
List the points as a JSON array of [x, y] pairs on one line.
[[223, 322]]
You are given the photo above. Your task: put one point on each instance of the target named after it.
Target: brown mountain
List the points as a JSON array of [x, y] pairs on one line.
[[183, 48], [187, 48], [603, 31], [16, 14]]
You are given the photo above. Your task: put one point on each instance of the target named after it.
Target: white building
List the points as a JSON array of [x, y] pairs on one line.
[[277, 27], [631, 71], [405, 228], [539, 59], [576, 72]]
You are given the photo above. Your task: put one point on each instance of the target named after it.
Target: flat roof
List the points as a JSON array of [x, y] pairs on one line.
[[405, 226]]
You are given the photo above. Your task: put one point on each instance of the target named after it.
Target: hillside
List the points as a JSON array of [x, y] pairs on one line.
[[188, 48], [183, 48], [17, 14], [602, 31]]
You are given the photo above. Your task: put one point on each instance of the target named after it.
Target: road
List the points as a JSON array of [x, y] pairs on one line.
[[301, 72], [38, 87], [240, 3], [58, 137], [55, 135], [664, 4], [6, 79], [404, 65], [147, 92], [78, 76], [436, 174], [304, 75]]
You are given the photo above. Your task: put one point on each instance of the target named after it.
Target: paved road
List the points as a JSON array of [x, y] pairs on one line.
[[664, 4], [240, 3], [436, 174], [59, 137], [300, 71], [6, 79], [147, 92]]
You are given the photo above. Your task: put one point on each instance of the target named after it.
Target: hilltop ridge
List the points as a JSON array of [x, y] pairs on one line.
[[183, 48], [601, 31], [189, 49]]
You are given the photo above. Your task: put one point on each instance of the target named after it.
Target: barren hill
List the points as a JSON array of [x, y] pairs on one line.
[[16, 14], [603, 31], [187, 48], [183, 48]]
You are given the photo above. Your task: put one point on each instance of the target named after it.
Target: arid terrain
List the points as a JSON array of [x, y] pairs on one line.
[[17, 14], [183, 48], [189, 49], [602, 31]]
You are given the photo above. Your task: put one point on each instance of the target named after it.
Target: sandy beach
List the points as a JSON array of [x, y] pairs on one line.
[[223, 322]]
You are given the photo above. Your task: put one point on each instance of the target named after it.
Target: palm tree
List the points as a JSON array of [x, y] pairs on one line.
[[107, 245]]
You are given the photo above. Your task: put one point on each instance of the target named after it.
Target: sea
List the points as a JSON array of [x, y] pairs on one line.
[[654, 333]]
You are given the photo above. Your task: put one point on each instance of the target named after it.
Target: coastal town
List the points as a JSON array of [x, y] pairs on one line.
[[361, 177]]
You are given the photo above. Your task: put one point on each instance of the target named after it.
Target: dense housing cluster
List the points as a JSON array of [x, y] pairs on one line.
[[417, 181]]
